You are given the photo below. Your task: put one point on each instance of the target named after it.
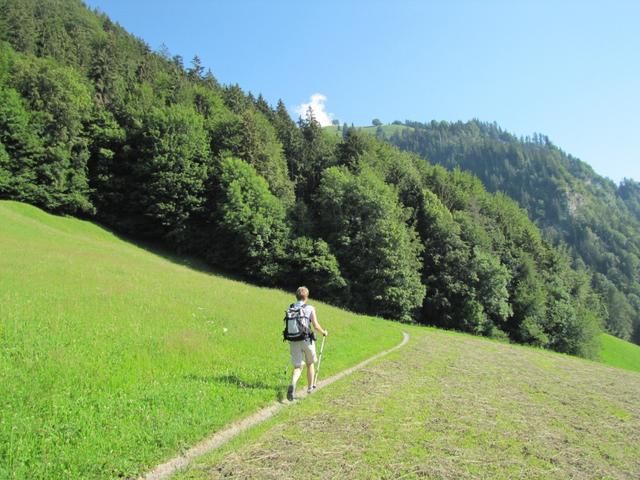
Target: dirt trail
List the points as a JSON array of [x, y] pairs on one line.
[[165, 470]]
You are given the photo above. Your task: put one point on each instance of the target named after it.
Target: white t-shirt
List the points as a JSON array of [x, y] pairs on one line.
[[308, 310]]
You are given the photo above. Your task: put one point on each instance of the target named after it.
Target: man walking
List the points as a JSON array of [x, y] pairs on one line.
[[304, 351]]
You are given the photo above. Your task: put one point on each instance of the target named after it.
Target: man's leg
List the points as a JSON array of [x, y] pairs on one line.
[[297, 372], [310, 374], [296, 359], [310, 358]]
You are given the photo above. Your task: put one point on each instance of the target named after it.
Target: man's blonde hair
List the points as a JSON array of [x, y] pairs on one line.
[[302, 293]]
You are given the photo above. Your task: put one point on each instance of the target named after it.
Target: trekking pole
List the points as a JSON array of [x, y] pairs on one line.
[[315, 378]]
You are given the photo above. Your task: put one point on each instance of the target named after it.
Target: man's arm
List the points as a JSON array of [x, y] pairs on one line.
[[314, 321]]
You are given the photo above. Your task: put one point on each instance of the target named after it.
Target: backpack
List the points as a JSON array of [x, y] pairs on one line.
[[296, 324]]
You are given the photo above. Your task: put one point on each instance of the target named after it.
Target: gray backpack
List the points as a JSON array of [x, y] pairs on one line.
[[296, 324]]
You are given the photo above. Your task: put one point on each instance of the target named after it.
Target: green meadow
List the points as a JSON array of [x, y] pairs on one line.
[[114, 358], [620, 353]]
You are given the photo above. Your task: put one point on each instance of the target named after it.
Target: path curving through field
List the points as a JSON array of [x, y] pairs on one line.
[[166, 469], [449, 406]]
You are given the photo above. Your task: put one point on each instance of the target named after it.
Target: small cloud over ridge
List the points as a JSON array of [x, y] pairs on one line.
[[317, 104]]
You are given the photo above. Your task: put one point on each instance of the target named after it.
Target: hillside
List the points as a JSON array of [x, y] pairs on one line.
[[619, 353], [113, 357], [571, 203], [95, 124], [450, 406]]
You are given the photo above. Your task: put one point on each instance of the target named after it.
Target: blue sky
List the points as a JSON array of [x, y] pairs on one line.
[[568, 69]]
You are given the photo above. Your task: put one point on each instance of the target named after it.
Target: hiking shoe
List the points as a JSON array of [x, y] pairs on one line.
[[290, 391], [310, 390]]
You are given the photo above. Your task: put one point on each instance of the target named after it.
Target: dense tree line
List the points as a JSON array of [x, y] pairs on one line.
[[92, 123], [598, 220]]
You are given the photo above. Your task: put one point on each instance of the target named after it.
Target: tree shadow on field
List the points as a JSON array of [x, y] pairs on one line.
[[157, 247]]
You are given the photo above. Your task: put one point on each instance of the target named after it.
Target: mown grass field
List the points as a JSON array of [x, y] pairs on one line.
[[450, 406], [619, 353], [113, 358]]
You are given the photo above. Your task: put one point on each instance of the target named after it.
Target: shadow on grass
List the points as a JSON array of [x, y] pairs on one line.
[[193, 261], [233, 380], [239, 383], [158, 248]]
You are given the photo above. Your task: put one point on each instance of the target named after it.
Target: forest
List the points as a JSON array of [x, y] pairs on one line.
[[591, 217], [95, 124]]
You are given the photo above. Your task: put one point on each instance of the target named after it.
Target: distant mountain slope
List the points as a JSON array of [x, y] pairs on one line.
[[598, 220]]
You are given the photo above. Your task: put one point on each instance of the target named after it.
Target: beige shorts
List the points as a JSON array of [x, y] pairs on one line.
[[302, 351]]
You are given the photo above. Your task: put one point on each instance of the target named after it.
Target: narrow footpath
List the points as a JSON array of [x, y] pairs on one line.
[[165, 470]]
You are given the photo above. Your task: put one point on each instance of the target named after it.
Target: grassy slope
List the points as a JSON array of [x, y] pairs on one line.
[[619, 353], [113, 358], [450, 406]]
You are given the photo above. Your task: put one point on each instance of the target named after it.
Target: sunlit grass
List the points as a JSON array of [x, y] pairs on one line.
[[113, 358], [619, 353]]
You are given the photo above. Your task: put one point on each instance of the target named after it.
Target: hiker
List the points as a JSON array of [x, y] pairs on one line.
[[302, 339]]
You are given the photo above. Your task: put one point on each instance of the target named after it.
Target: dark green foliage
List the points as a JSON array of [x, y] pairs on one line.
[[564, 196], [104, 127], [252, 138], [108, 173], [379, 253], [314, 156], [168, 174], [44, 109], [351, 149], [629, 191], [250, 229], [620, 313], [21, 149], [290, 136], [450, 301], [310, 262]]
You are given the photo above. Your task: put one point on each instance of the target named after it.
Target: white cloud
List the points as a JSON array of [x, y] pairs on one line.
[[319, 109]]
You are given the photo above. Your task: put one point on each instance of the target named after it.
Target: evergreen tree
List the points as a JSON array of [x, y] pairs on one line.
[[350, 149], [195, 73], [169, 172], [316, 155], [378, 252], [248, 223], [290, 137]]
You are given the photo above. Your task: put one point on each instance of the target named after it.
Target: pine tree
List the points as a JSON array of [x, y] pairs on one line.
[[195, 73]]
